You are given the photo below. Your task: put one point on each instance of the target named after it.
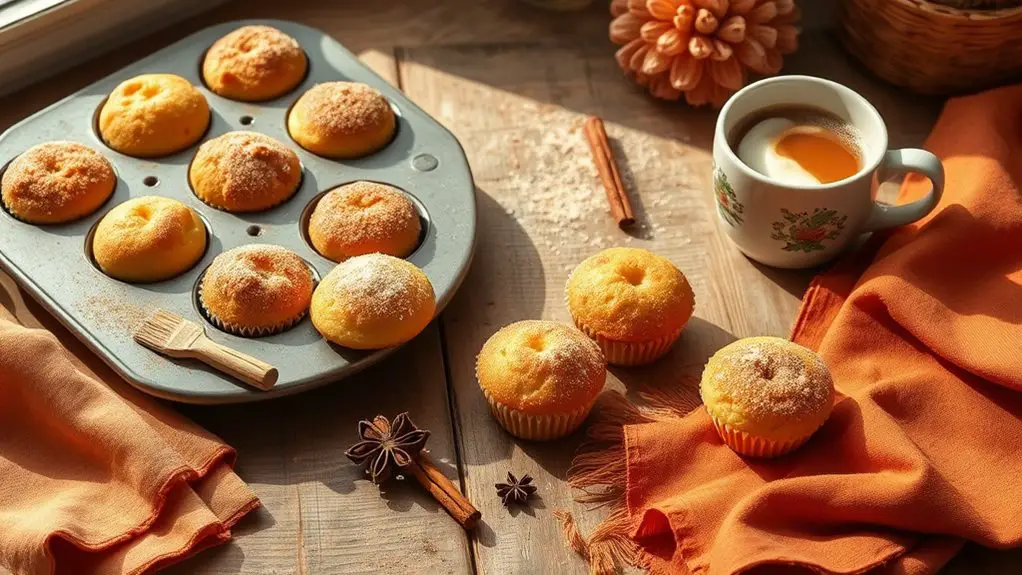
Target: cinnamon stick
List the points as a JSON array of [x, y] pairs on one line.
[[603, 157], [444, 491]]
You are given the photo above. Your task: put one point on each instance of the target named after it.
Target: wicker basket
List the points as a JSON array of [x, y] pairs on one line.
[[932, 48]]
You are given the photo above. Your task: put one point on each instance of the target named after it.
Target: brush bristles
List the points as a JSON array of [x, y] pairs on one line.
[[157, 330]]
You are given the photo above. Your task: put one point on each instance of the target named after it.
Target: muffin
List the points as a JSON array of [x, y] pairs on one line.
[[540, 378], [372, 302], [148, 239], [153, 115], [256, 290], [342, 120], [633, 302], [57, 182], [363, 218], [766, 395], [253, 64], [244, 172]]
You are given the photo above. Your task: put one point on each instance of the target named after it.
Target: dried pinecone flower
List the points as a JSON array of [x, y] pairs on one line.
[[701, 48]]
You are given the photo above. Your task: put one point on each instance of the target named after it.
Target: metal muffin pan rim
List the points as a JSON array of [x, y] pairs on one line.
[[443, 188]]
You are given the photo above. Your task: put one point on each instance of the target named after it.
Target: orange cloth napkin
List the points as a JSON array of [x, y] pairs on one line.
[[96, 477], [922, 331]]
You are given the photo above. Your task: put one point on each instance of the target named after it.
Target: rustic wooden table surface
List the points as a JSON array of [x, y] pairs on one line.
[[513, 83]]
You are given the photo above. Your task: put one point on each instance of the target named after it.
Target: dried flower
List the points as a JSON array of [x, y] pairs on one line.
[[701, 49]]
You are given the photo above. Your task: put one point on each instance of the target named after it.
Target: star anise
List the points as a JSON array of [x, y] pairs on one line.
[[515, 490], [385, 445]]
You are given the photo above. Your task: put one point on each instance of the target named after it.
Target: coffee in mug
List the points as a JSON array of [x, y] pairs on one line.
[[799, 145], [795, 159]]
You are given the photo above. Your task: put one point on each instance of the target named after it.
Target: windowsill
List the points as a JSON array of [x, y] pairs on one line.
[[13, 11], [40, 38]]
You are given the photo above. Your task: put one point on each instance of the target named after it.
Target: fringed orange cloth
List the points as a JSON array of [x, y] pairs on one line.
[[96, 478], [922, 330]]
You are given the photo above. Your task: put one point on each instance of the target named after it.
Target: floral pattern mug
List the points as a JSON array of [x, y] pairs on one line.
[[796, 226]]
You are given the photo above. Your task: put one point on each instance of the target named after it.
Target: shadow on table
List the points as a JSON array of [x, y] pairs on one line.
[[507, 268], [794, 282], [485, 534], [678, 372]]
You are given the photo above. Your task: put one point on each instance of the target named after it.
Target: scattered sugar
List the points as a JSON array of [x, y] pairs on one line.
[[341, 108], [113, 313], [246, 170], [365, 217], [257, 277], [542, 363], [46, 178], [554, 191], [252, 54], [770, 379], [380, 286]]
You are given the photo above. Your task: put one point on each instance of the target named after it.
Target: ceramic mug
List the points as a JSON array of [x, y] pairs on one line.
[[798, 226]]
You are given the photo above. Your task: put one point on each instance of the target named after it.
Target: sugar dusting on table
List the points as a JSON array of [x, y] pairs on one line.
[[560, 200]]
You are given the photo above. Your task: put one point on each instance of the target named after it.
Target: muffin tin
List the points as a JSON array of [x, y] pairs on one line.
[[53, 262]]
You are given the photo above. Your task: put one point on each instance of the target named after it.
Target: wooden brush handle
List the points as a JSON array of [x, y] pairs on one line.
[[244, 367]]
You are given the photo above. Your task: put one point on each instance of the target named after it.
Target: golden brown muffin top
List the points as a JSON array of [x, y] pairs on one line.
[[252, 55], [373, 301], [541, 367], [48, 177], [153, 115], [240, 169], [152, 222], [630, 294], [343, 108], [257, 285], [769, 387], [366, 216], [378, 287]]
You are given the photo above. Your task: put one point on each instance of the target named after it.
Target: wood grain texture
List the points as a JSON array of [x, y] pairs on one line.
[[513, 83]]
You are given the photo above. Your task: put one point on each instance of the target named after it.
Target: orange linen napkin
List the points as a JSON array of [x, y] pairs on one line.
[[922, 331], [96, 477]]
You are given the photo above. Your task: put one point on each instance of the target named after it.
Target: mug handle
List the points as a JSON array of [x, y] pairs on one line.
[[907, 160]]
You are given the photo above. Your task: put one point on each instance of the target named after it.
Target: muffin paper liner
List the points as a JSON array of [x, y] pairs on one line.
[[246, 331], [537, 427], [752, 446], [630, 352]]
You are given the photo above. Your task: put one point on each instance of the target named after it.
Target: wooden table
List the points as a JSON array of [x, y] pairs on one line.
[[513, 83]]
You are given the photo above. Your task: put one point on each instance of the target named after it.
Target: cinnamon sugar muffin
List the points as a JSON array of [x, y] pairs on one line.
[[148, 239], [766, 395], [372, 302], [541, 378], [57, 182], [633, 302], [244, 172], [256, 290], [153, 115], [253, 64], [363, 218], [342, 120]]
